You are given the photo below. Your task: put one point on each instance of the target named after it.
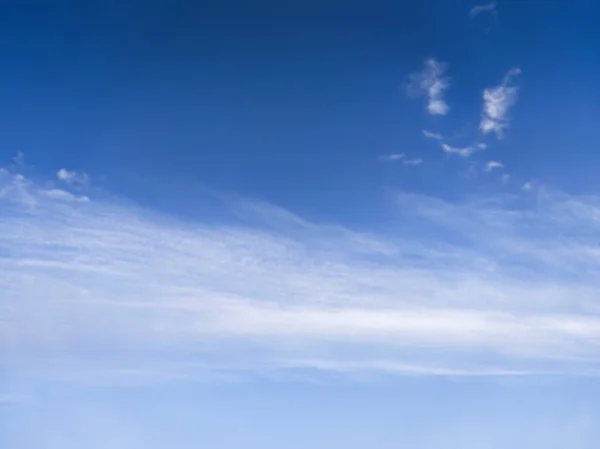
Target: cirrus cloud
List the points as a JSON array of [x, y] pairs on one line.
[[495, 285]]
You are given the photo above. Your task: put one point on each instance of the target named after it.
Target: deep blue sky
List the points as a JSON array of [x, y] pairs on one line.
[[289, 101], [332, 224]]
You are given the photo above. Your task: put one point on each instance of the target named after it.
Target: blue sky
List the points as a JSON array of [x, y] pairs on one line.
[[257, 224]]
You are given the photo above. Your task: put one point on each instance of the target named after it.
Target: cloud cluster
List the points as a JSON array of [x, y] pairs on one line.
[[432, 83], [488, 286]]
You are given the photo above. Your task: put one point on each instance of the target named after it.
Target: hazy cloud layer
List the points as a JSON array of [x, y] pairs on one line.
[[499, 286]]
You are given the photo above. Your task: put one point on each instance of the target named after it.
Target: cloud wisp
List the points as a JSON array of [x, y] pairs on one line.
[[431, 82], [497, 102], [434, 136], [463, 151], [481, 9], [392, 157], [491, 286]]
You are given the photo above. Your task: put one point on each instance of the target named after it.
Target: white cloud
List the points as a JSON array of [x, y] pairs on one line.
[[72, 177], [497, 102], [415, 161], [479, 9], [431, 135], [391, 157], [492, 285], [491, 165], [432, 83]]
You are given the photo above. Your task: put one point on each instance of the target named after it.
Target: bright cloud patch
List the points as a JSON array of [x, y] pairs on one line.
[[96, 290], [497, 102]]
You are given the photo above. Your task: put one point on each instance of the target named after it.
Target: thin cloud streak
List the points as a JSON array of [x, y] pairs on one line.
[[431, 135], [391, 157]]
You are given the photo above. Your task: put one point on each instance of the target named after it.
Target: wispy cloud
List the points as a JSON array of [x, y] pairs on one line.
[[479, 9], [491, 165], [415, 161], [391, 157], [497, 102], [464, 151], [431, 135], [432, 83], [491, 285]]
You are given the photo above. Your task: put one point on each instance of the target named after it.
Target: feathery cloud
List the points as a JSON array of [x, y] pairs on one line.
[[479, 9], [458, 283], [432, 83], [497, 102]]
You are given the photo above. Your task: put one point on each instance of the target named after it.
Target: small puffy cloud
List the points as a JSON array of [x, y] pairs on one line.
[[432, 83], [72, 177], [491, 165], [416, 161], [528, 186], [430, 135], [479, 9], [391, 157], [497, 102]]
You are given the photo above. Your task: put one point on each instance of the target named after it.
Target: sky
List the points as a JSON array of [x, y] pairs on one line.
[[304, 224]]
